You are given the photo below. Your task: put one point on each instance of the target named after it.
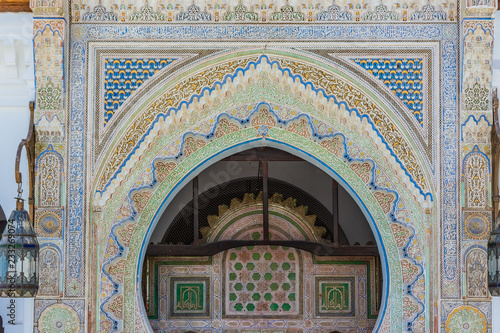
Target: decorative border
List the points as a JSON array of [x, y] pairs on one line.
[[172, 288], [353, 291], [445, 33], [292, 11], [77, 305]]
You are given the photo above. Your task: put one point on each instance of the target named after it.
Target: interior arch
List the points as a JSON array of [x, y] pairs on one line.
[[281, 194], [380, 218]]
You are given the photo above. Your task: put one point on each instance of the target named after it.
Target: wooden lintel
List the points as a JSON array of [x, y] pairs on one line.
[[196, 236], [214, 248], [265, 200], [335, 203]]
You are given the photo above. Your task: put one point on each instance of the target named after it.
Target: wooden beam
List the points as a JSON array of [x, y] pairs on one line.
[[263, 154], [14, 6], [196, 225], [495, 158], [211, 249], [335, 202], [265, 199]]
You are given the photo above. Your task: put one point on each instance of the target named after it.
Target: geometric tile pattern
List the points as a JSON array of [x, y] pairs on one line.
[[476, 224], [188, 297], [335, 296], [403, 77], [262, 281], [123, 76]]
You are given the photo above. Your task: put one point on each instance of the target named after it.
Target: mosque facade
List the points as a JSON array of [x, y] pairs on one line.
[[134, 101]]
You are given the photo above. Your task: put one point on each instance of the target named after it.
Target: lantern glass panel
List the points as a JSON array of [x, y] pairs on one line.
[[18, 257]]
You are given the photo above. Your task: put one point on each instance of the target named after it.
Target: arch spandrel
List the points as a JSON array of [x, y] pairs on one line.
[[131, 235], [201, 89]]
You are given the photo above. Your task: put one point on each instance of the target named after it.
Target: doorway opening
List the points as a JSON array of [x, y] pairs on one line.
[[262, 241]]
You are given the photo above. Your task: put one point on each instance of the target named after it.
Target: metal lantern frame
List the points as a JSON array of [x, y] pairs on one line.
[[494, 259], [494, 240], [19, 247]]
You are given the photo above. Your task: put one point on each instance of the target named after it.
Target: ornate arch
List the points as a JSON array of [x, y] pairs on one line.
[[49, 178], [263, 102], [476, 169], [323, 89]]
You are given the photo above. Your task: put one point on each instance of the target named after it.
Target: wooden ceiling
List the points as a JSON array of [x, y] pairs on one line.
[[14, 6]]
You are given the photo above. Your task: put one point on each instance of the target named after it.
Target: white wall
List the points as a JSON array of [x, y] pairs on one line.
[[16, 90]]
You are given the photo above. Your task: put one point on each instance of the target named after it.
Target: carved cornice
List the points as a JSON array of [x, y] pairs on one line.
[[253, 11], [46, 8], [480, 11]]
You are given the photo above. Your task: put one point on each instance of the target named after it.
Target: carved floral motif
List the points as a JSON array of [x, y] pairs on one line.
[[476, 169], [49, 168], [476, 265], [49, 270]]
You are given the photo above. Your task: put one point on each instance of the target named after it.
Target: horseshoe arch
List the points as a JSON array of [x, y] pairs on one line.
[[242, 100]]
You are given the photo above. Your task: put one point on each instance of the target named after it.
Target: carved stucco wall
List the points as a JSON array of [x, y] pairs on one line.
[[69, 117]]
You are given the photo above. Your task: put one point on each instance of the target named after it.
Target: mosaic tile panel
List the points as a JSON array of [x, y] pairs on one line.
[[401, 76], [262, 281], [356, 275], [123, 76], [189, 297], [263, 288], [335, 296]]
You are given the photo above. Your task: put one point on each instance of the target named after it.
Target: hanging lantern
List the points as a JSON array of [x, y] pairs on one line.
[[18, 245], [494, 259], [18, 256], [494, 242]]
